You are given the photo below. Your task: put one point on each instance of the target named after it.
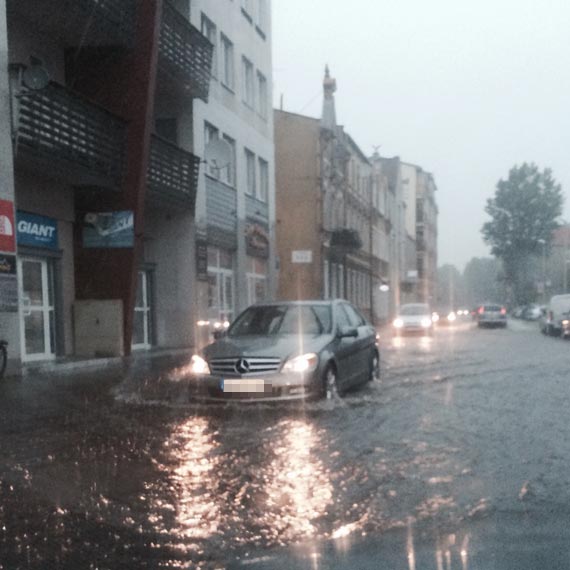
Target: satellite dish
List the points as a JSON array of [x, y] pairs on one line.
[[218, 153], [35, 77]]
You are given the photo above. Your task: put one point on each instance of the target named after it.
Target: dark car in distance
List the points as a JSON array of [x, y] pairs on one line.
[[288, 350]]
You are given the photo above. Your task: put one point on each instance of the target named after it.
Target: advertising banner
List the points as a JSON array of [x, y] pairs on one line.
[[36, 231], [109, 230], [7, 233]]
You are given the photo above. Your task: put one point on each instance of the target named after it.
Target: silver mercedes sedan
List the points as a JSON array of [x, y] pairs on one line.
[[287, 351]]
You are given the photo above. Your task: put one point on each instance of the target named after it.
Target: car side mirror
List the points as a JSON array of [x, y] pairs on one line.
[[348, 332], [219, 334]]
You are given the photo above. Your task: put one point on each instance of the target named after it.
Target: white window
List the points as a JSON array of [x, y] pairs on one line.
[[262, 95], [220, 285], [263, 180], [227, 75], [210, 31], [261, 14], [256, 280], [228, 173], [248, 88], [250, 172], [211, 133]]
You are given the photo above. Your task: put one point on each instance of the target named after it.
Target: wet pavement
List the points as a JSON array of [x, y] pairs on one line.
[[457, 458]]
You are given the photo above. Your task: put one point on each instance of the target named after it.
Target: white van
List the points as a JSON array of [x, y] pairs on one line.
[[558, 306]]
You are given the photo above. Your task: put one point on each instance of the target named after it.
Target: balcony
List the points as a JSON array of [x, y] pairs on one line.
[[80, 22], [172, 176], [185, 55], [221, 213], [62, 134]]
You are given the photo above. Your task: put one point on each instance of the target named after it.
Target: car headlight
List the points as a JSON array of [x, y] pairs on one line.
[[435, 317], [199, 366], [426, 323], [303, 363], [451, 317], [398, 323], [565, 322]]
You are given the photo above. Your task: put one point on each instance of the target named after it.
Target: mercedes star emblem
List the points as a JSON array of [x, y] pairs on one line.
[[242, 366]]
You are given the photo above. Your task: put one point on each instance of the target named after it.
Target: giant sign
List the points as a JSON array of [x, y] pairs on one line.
[[36, 231]]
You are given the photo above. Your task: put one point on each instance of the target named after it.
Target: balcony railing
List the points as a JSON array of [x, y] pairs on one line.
[[79, 22], [185, 53], [56, 125], [173, 174]]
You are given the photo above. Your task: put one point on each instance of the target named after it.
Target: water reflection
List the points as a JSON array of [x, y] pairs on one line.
[[298, 486]]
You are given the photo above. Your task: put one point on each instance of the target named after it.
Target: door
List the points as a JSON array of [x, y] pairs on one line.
[[346, 351], [364, 343], [142, 313], [37, 308]]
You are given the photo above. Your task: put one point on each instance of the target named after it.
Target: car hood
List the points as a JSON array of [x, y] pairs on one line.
[[280, 346], [413, 319]]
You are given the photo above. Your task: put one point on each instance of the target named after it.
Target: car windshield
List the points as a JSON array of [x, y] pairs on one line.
[[411, 310], [283, 320]]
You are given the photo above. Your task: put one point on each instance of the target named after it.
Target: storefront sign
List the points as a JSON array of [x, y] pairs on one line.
[[257, 240], [8, 284], [36, 231], [7, 237], [109, 230], [202, 261]]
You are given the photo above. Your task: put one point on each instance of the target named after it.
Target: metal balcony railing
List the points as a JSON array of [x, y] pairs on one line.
[[184, 52], [173, 173], [59, 125]]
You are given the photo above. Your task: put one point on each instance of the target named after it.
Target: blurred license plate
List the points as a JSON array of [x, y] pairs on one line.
[[243, 385]]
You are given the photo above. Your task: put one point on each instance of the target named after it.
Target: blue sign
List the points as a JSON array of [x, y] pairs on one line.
[[36, 231], [109, 229]]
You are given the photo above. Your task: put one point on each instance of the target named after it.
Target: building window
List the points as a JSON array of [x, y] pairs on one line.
[[210, 31], [220, 285], [250, 172], [228, 173], [262, 95], [326, 280], [248, 88], [256, 280], [227, 75], [262, 15], [263, 180], [211, 133]]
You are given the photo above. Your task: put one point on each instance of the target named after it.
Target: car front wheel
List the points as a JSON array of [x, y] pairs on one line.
[[374, 373], [330, 383]]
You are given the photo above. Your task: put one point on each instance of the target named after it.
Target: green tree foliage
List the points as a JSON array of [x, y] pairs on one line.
[[483, 280], [524, 212]]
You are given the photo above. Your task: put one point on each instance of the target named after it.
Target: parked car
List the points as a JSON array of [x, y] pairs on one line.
[[531, 312], [413, 317], [558, 306], [286, 351], [565, 329], [492, 314]]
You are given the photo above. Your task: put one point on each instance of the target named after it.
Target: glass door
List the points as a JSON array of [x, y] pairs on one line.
[[141, 320], [37, 309]]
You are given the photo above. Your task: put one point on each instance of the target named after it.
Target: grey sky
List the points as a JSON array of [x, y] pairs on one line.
[[464, 89]]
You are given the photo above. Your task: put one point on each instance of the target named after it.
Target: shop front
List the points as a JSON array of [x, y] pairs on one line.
[[39, 290]]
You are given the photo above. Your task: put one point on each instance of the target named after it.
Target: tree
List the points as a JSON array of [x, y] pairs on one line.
[[483, 281], [449, 288], [524, 212]]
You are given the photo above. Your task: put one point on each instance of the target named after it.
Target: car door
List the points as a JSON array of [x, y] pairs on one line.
[[364, 343], [346, 352]]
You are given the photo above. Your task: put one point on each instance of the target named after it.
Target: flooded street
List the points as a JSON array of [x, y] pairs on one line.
[[465, 429]]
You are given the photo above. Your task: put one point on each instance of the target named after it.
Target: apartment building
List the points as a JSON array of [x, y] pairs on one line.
[[100, 177], [426, 236], [235, 212], [329, 211]]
